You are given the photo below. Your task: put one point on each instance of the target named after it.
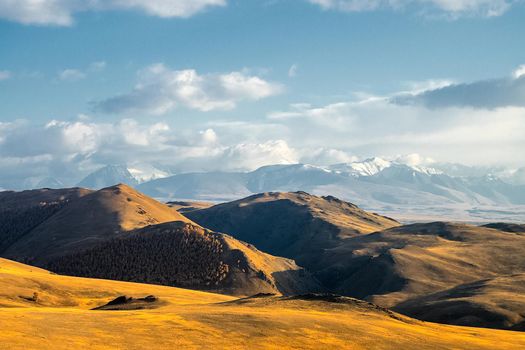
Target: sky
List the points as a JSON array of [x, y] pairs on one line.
[[206, 85]]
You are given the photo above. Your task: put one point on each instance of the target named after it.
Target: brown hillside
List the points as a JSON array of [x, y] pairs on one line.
[[93, 218], [492, 303], [119, 233], [295, 225], [407, 262], [21, 212], [186, 255]]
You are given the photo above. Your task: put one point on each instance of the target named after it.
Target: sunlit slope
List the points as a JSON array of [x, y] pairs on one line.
[[295, 225], [91, 219], [61, 319], [120, 234]]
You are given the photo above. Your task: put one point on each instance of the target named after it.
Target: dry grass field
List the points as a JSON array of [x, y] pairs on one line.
[[60, 317]]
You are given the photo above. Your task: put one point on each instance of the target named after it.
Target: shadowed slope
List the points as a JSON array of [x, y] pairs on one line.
[[507, 227], [493, 303], [398, 264], [186, 255], [295, 225], [62, 319], [21, 212]]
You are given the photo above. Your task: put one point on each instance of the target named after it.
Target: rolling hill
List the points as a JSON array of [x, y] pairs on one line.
[[396, 266], [120, 233], [61, 317], [363, 255], [21, 212], [490, 303], [295, 225]]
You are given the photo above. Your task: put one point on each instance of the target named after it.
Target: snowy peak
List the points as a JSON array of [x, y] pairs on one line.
[[129, 175], [108, 176], [376, 165], [146, 172]]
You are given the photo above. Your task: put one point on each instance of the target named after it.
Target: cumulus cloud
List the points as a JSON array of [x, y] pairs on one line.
[[493, 93], [61, 12], [379, 127], [326, 156], [5, 74], [453, 8], [520, 72], [160, 89], [71, 75], [68, 150], [254, 155], [74, 74]]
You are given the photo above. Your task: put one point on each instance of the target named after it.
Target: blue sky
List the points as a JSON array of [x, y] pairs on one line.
[[216, 84]]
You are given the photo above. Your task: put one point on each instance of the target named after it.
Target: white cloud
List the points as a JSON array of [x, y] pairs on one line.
[[61, 12], [452, 8], [254, 155], [5, 75], [379, 127], [419, 87], [414, 159], [71, 75], [68, 150], [160, 89], [519, 72], [209, 136], [326, 156]]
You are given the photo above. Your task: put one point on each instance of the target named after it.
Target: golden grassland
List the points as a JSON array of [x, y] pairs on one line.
[[61, 318]]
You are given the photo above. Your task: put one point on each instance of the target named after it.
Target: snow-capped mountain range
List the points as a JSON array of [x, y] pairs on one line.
[[387, 186]]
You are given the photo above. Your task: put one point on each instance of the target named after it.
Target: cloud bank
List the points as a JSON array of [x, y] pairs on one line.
[[490, 94], [68, 150], [452, 8], [160, 89], [61, 12]]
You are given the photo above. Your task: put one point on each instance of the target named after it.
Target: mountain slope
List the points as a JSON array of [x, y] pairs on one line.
[[186, 255], [120, 233], [21, 212], [93, 218], [61, 318], [491, 303], [295, 225], [407, 262]]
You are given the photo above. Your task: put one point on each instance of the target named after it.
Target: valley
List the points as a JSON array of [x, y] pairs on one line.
[[277, 260], [61, 318]]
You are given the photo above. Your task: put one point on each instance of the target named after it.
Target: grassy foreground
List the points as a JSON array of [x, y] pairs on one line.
[[61, 318]]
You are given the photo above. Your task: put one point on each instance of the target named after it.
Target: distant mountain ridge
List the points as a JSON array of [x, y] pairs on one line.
[[389, 187], [438, 191]]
